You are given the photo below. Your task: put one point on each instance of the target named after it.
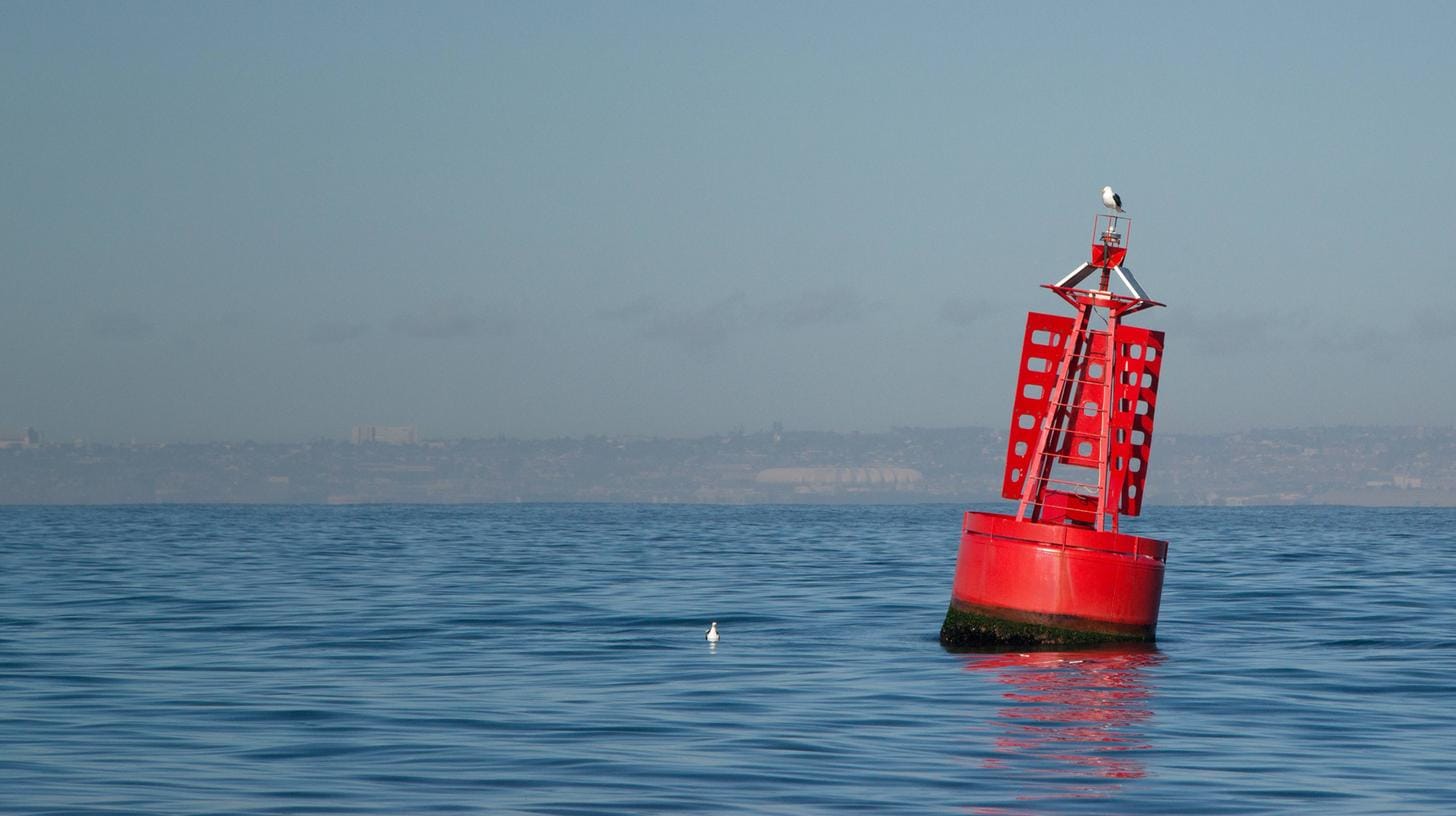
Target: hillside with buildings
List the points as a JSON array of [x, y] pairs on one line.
[[1363, 466]]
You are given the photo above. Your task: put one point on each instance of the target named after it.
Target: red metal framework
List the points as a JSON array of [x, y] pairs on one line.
[[1082, 418]]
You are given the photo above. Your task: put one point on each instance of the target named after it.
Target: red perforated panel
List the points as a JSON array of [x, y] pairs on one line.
[[1135, 391], [1041, 351]]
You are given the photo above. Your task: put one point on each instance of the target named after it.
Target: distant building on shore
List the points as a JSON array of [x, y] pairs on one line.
[[28, 438], [385, 434], [836, 479]]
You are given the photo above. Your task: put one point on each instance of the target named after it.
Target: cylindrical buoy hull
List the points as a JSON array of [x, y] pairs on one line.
[[1034, 583]]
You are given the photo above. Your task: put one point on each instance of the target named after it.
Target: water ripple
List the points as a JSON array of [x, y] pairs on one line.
[[549, 660]]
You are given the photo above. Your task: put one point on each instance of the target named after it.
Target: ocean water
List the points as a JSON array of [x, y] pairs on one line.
[[550, 659]]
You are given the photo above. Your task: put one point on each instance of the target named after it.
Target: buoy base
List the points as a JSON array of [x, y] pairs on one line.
[[970, 627], [1028, 583]]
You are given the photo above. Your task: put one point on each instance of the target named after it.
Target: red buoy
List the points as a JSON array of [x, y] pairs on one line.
[[1058, 571]]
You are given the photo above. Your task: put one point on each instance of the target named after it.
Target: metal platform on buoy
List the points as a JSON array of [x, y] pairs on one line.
[[1059, 571]]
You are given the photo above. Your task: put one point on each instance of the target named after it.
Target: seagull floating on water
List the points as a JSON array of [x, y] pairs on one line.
[[712, 632], [1111, 200]]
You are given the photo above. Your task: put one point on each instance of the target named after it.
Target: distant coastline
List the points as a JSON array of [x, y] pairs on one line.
[[1366, 466]]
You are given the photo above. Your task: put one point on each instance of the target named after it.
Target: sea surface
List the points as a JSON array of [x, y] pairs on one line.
[[550, 659]]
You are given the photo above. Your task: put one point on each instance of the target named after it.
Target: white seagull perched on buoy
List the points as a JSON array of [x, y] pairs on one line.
[[1111, 200], [712, 632]]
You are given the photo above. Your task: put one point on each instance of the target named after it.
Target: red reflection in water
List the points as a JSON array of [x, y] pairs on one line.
[[1071, 724]]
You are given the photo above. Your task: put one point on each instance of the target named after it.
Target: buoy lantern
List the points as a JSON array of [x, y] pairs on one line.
[[1059, 572]]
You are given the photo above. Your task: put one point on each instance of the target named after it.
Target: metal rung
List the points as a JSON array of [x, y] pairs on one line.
[[1099, 411], [1073, 484], [1070, 405]]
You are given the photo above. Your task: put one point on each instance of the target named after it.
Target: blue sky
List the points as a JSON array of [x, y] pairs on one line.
[[272, 221]]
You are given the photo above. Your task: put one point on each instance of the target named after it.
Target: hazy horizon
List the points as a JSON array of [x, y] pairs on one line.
[[424, 438], [274, 221]]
